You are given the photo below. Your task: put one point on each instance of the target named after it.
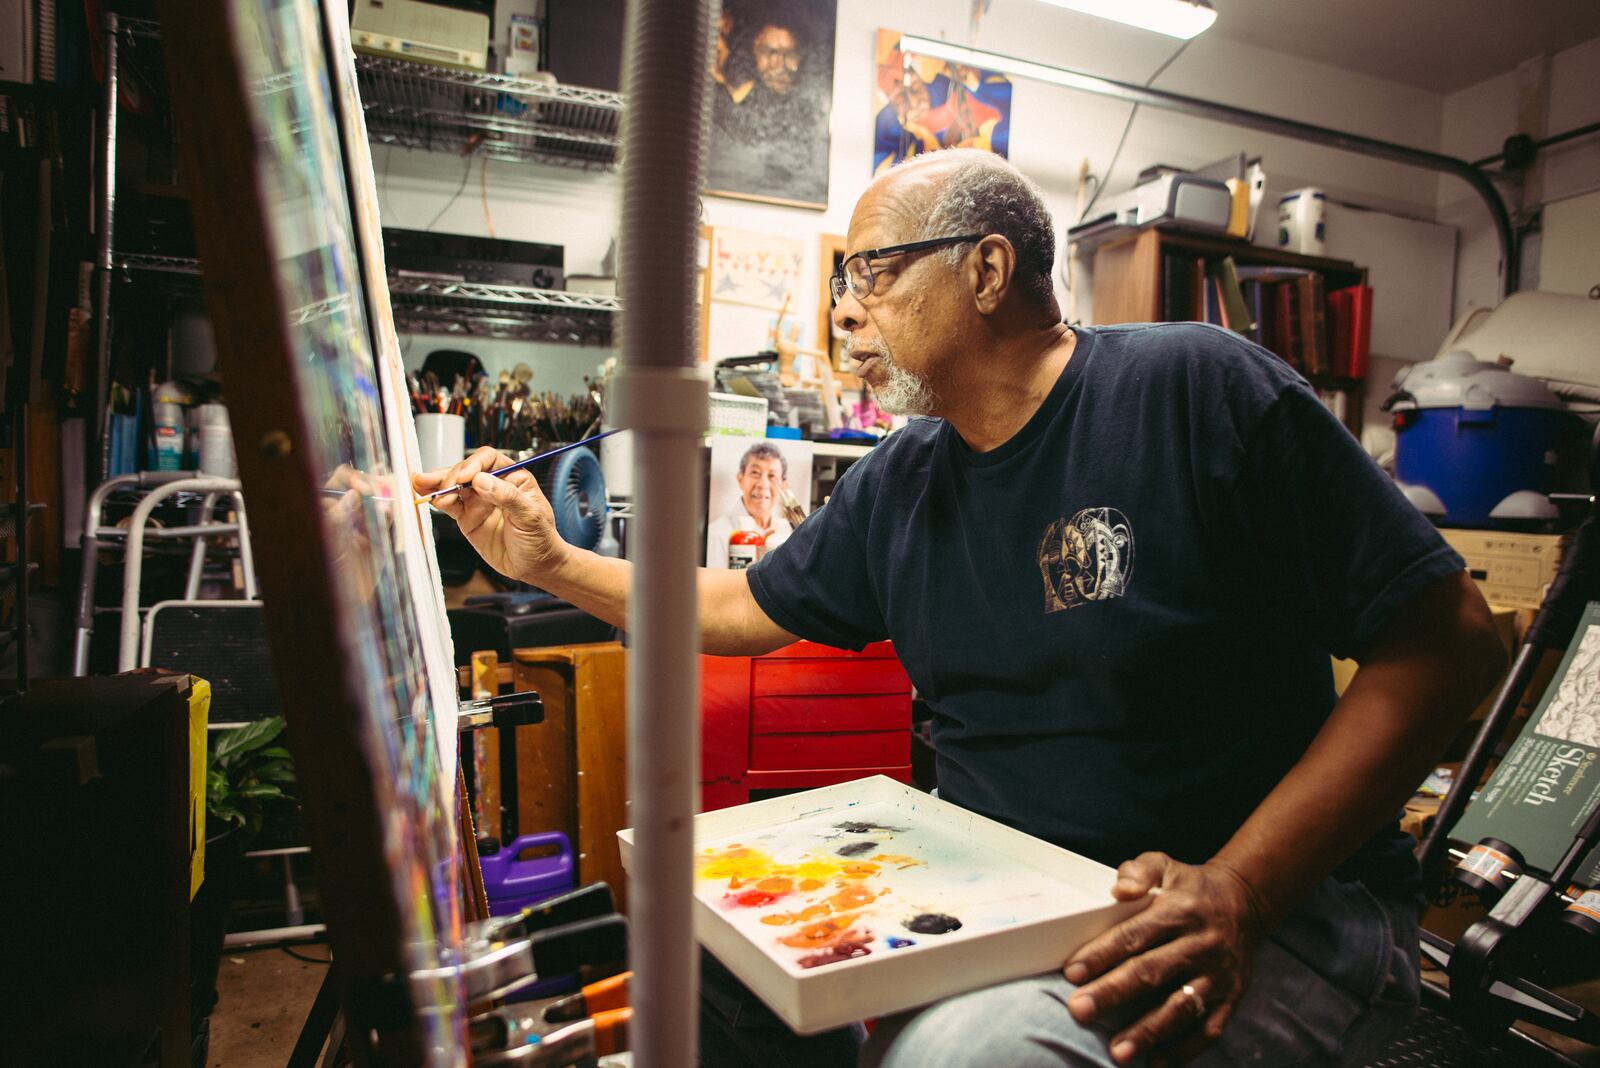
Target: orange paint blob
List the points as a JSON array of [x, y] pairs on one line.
[[825, 933], [777, 884], [899, 860], [784, 919], [811, 884], [852, 897], [858, 869]]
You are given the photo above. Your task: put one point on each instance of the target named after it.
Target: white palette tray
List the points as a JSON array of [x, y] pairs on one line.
[[870, 897]]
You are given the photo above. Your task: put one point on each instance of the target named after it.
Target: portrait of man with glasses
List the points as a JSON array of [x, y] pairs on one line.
[[771, 97]]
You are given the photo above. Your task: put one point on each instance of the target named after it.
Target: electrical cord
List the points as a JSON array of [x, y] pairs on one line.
[[1064, 268], [483, 188], [454, 197], [1100, 182], [309, 960]]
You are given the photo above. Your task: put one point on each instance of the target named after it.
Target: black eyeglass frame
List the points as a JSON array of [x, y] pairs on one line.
[[840, 282]]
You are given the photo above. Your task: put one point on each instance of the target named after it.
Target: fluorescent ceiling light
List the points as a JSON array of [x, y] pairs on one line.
[[1175, 18]]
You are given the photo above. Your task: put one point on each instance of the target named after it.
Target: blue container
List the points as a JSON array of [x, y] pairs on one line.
[[1475, 443], [523, 872]]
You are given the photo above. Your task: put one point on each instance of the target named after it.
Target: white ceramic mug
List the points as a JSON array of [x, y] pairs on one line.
[[442, 439]]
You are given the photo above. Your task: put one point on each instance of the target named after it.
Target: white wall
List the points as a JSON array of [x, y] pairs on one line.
[[1053, 131], [1478, 119]]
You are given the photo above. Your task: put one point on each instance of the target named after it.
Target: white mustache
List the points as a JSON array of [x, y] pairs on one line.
[[865, 349]]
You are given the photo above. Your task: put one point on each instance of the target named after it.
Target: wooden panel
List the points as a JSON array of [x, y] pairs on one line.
[[778, 715], [546, 758], [774, 677], [1127, 280], [830, 750], [830, 253], [602, 765], [583, 777]]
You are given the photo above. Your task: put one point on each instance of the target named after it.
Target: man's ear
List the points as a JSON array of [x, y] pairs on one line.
[[991, 272]]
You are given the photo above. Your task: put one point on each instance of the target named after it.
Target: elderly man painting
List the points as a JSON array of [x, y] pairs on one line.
[[1114, 563]]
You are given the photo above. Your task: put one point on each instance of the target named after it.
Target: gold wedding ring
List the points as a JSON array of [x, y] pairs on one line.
[[1196, 1002]]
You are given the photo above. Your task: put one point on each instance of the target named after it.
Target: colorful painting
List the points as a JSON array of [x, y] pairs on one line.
[[871, 881], [771, 96], [923, 104]]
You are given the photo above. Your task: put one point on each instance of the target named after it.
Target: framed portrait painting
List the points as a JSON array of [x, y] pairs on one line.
[[771, 93]]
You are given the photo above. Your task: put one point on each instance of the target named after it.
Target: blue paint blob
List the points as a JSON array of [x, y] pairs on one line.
[[898, 943]]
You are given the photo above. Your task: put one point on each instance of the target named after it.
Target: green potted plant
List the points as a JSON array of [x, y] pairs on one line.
[[250, 777], [249, 786]]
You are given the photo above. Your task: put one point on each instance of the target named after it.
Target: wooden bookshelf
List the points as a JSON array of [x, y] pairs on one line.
[[1129, 287]]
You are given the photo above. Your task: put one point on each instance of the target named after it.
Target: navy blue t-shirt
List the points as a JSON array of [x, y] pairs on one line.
[[1122, 616]]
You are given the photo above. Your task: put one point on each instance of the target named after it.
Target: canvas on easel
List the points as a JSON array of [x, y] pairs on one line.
[[286, 222]]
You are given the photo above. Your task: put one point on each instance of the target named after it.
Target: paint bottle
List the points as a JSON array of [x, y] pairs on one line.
[[167, 418], [1489, 868], [216, 442], [744, 547], [1584, 910]]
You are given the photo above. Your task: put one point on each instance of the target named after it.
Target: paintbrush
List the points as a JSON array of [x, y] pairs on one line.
[[519, 465]]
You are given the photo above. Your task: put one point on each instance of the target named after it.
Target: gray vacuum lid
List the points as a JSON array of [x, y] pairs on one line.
[[1459, 380]]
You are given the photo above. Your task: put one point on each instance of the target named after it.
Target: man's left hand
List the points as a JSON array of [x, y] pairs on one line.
[[1189, 953]]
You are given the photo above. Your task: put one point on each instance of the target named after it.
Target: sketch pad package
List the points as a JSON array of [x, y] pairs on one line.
[[1549, 782]]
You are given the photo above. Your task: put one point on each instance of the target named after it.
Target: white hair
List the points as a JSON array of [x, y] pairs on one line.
[[987, 195]]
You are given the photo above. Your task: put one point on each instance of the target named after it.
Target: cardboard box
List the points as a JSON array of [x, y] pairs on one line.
[[1511, 569]]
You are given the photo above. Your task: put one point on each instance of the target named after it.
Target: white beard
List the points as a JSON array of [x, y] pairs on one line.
[[903, 392]]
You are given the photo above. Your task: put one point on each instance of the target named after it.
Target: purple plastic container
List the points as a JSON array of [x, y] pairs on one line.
[[528, 869], [520, 873]]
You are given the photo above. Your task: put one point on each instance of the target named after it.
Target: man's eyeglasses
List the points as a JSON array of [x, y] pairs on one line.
[[855, 273]]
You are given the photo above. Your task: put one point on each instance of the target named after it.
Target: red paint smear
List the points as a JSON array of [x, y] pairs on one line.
[[752, 899], [840, 952]]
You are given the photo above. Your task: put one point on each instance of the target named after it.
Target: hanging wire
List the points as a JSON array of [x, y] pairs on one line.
[[1100, 182]]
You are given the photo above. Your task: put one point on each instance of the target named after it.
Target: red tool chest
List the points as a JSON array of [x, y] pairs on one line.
[[802, 716]]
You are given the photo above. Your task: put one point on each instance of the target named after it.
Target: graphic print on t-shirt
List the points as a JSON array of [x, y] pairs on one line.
[[1086, 558]]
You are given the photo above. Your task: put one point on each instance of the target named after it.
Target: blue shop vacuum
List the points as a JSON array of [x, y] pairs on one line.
[[1475, 441]]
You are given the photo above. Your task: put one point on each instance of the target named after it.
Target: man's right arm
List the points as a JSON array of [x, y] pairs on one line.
[[509, 522]]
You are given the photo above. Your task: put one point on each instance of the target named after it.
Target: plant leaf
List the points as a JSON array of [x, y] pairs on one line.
[[250, 736], [260, 792]]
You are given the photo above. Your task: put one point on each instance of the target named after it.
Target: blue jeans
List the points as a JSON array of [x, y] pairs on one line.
[[1333, 985]]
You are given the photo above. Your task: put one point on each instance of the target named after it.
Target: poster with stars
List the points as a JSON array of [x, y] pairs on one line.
[[756, 270]]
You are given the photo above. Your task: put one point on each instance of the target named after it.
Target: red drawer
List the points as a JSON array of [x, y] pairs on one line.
[[785, 678], [849, 750], [777, 715]]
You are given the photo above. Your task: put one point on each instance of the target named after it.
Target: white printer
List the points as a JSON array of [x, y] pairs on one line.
[[1170, 196]]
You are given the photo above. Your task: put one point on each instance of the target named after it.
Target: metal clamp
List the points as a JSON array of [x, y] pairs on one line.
[[505, 710]]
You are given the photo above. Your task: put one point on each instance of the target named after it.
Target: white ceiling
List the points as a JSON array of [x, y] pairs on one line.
[[1443, 45]]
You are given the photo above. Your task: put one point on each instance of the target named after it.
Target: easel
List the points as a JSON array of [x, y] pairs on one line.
[[1485, 997]]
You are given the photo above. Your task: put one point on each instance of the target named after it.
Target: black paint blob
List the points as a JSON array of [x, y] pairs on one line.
[[933, 923], [866, 828], [856, 849]]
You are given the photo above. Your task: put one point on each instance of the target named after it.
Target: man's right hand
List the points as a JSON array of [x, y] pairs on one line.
[[508, 520]]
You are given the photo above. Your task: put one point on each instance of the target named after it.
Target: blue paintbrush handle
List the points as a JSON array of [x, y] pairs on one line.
[[520, 464]]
